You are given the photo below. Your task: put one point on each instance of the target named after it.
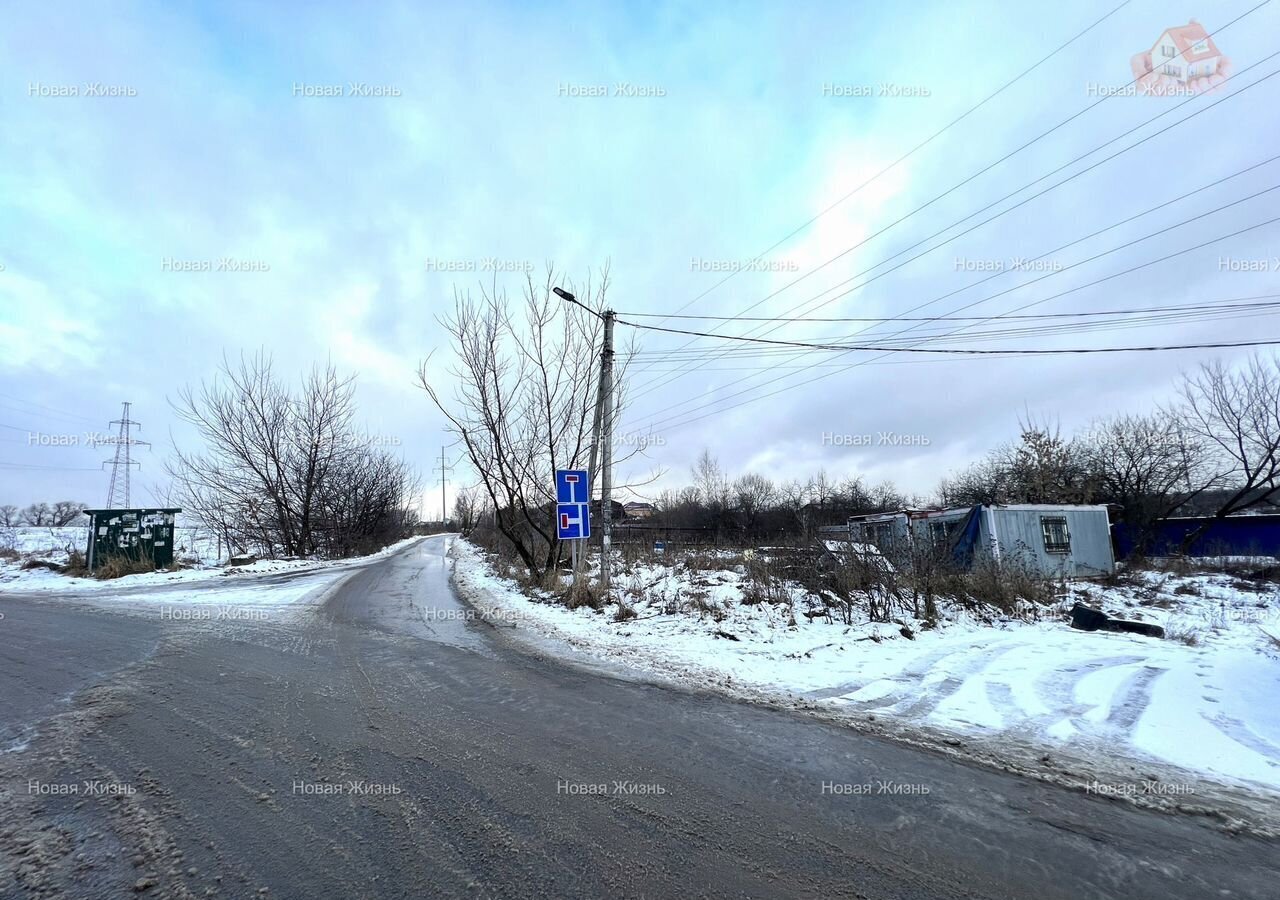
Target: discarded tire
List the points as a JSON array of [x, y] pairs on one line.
[[1088, 619], [1143, 628]]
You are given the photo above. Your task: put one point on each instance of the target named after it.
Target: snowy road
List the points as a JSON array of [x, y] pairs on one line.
[[366, 739], [1197, 717]]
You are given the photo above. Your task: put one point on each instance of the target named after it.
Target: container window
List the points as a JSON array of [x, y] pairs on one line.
[[1056, 537]]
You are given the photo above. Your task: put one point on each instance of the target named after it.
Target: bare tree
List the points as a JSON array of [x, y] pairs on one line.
[[983, 482], [287, 472], [36, 514], [10, 516], [524, 402], [754, 495], [1040, 467], [713, 485], [65, 512], [1149, 466], [468, 506], [822, 489], [1236, 414]]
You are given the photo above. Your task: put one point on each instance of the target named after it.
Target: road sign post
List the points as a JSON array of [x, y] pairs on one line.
[[573, 509]]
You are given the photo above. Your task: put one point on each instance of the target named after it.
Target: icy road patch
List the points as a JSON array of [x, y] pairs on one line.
[[1202, 702]]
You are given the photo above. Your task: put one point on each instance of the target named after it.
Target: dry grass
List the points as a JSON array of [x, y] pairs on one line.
[[1184, 633], [120, 566]]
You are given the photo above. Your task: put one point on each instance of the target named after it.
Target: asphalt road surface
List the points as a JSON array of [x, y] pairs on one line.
[[375, 743]]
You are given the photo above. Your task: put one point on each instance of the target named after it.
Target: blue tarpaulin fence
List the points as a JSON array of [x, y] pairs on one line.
[[1232, 536]]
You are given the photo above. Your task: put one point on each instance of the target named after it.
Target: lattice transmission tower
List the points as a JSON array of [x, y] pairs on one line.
[[124, 442]]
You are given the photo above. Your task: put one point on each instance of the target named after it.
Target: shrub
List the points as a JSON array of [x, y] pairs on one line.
[[120, 566], [1002, 583], [1183, 632], [77, 566], [698, 601], [583, 594]]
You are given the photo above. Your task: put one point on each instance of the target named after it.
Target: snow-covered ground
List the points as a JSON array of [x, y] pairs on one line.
[[1202, 701], [194, 548], [55, 543]]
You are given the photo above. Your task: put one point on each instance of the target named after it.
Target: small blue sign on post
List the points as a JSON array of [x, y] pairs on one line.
[[573, 505], [572, 486], [573, 521]]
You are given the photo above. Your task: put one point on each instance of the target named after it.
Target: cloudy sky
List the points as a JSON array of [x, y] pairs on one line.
[[667, 141]]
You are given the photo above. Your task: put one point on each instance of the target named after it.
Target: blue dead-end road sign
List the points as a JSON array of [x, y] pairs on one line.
[[572, 486], [573, 521], [573, 510]]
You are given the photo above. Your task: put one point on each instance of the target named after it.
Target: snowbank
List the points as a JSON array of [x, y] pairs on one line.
[[15, 579]]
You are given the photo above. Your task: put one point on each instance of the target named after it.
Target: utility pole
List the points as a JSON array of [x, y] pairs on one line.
[[601, 439], [123, 444], [606, 450], [593, 467], [444, 469]]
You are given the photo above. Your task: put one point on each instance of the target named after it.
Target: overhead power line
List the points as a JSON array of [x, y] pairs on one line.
[[41, 406], [999, 274], [9, 465], [651, 385], [1051, 274], [684, 418], [920, 146], [847, 348], [947, 318], [1016, 331]]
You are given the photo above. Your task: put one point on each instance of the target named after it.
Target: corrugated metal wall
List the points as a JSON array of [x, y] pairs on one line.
[[1021, 533]]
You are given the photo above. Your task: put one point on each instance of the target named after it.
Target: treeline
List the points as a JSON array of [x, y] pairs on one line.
[[1213, 451], [754, 507], [519, 409], [53, 515], [285, 471]]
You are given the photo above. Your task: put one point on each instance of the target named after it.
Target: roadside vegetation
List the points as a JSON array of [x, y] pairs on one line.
[[1213, 452], [285, 470]]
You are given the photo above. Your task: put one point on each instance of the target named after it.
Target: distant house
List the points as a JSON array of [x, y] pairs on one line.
[[616, 512], [1061, 541], [638, 510], [1184, 54]]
